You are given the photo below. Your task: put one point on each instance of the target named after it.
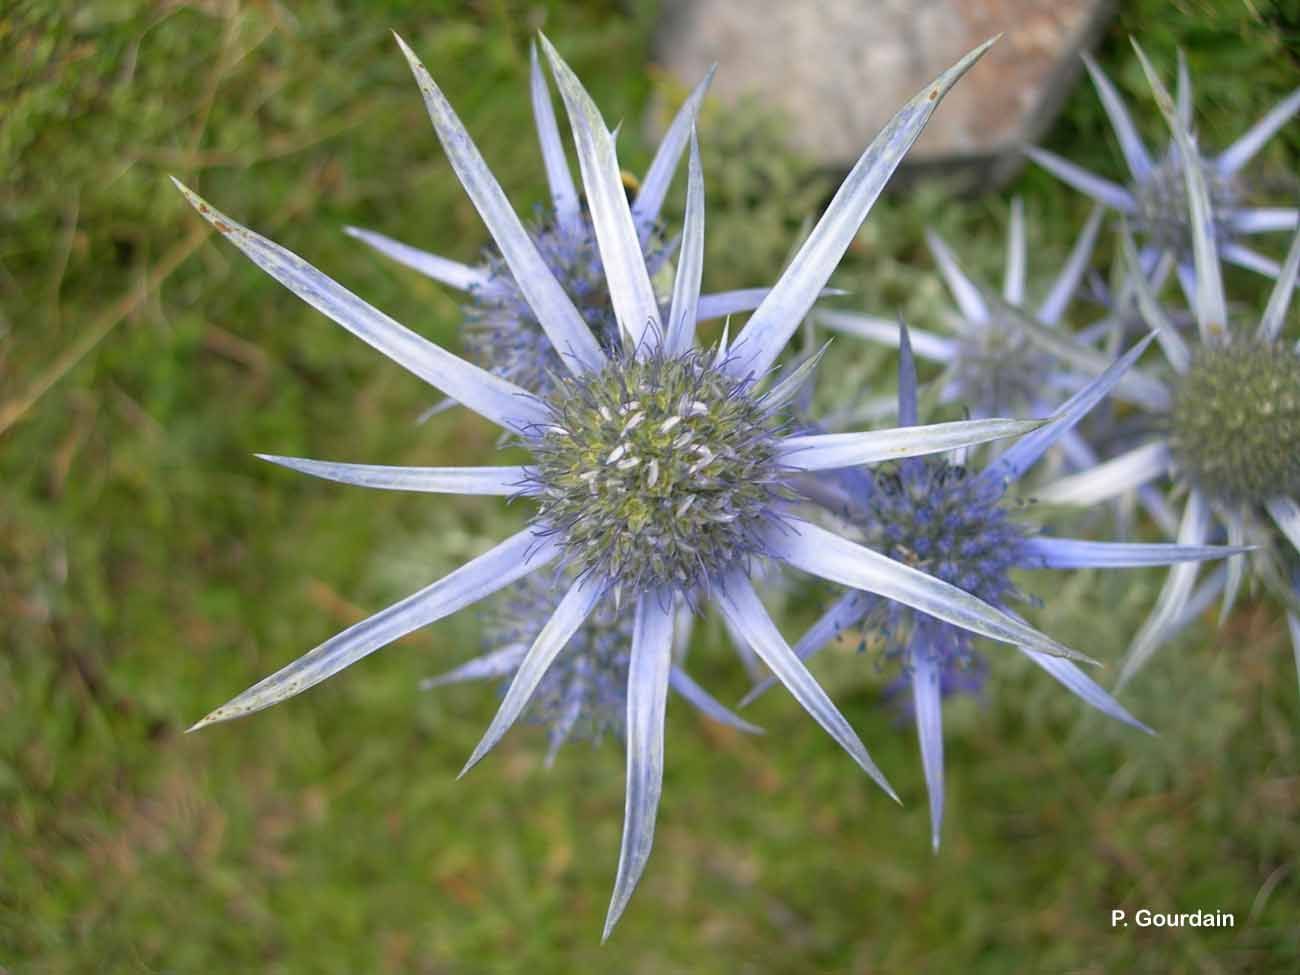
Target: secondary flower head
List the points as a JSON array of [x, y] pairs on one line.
[[643, 386], [1228, 428], [1155, 197], [502, 331], [957, 525], [989, 364]]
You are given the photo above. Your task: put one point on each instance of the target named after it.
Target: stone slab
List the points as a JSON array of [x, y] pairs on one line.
[[838, 69]]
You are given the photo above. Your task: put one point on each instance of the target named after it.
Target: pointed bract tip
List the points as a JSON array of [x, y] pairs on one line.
[[474, 759], [410, 55], [1078, 657], [547, 47], [616, 908], [976, 53], [753, 695], [212, 717]]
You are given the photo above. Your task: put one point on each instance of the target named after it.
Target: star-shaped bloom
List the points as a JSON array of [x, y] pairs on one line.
[[1229, 432], [958, 525], [660, 472], [1153, 199]]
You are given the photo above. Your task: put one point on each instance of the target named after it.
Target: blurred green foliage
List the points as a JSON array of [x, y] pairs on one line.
[[150, 567]]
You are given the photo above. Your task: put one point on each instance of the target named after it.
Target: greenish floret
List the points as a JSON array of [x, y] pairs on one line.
[[1235, 422], [658, 472]]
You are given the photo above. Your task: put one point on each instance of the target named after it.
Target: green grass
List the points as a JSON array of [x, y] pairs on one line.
[[150, 567]]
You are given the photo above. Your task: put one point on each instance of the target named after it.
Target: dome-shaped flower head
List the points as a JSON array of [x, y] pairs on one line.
[[660, 472], [584, 693], [1154, 199], [956, 524], [502, 332], [1228, 431]]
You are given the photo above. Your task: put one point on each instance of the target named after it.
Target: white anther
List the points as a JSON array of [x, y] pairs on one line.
[[653, 477], [685, 506], [683, 439], [634, 422], [698, 408], [628, 463], [616, 453], [605, 415], [669, 423]]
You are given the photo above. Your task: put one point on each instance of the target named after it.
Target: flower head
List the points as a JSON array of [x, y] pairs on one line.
[[659, 472], [1234, 422], [1155, 197], [957, 525], [728, 385]]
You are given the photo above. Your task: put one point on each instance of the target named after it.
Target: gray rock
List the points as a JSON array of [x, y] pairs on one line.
[[838, 69]]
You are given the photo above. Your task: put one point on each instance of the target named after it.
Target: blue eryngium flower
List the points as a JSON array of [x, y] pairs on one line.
[[1228, 429], [661, 472], [502, 334], [956, 525], [1154, 198]]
